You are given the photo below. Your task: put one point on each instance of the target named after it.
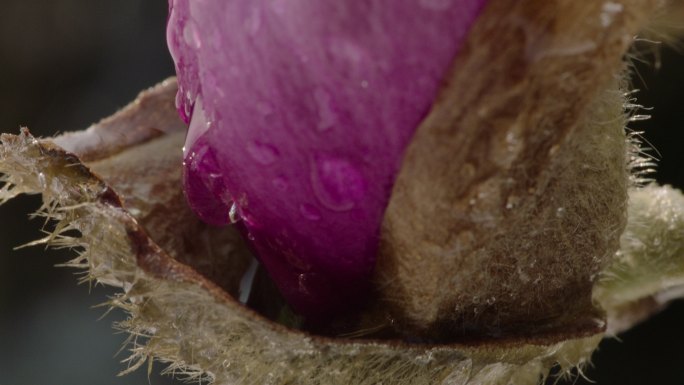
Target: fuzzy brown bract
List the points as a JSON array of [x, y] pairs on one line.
[[512, 195], [500, 244], [181, 317]]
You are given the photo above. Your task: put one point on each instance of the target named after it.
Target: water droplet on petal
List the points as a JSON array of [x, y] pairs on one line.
[[337, 183], [198, 125], [191, 36], [203, 184]]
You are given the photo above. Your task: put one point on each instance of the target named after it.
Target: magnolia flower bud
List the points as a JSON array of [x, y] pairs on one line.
[[511, 182], [498, 241], [300, 113], [512, 195]]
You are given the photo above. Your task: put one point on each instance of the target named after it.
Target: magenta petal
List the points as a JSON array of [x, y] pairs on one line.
[[306, 108]]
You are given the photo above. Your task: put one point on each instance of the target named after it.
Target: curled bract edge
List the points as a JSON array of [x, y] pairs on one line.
[[180, 317], [113, 193]]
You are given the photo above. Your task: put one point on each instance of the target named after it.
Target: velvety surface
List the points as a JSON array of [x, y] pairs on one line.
[[300, 112]]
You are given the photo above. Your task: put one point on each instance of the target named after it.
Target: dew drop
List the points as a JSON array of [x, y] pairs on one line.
[[337, 183], [309, 212], [512, 202], [560, 212], [608, 13], [203, 184], [191, 36], [42, 181], [262, 153]]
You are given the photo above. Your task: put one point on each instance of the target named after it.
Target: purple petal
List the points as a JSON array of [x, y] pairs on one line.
[[301, 112]]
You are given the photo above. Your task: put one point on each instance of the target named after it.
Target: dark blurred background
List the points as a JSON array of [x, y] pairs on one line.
[[651, 353], [67, 63]]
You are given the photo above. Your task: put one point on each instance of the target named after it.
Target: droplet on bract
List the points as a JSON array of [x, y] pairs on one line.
[[42, 181]]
